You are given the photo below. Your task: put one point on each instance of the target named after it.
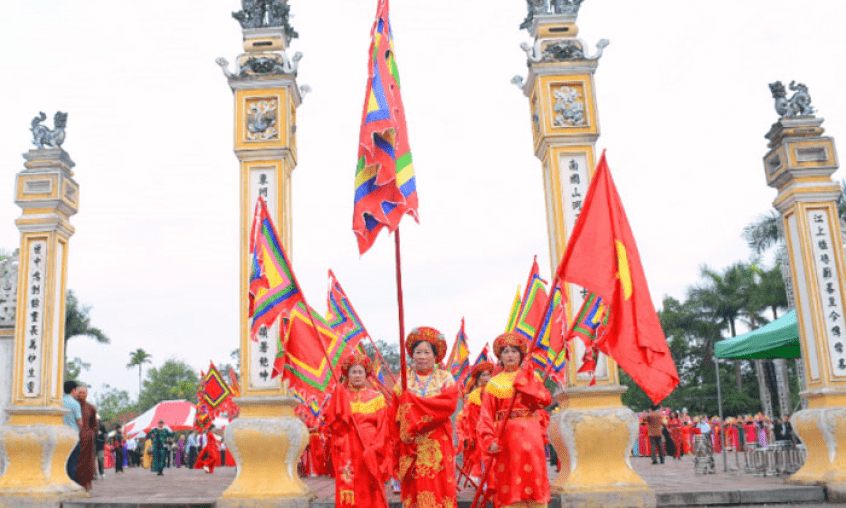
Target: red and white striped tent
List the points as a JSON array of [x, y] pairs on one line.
[[177, 415]]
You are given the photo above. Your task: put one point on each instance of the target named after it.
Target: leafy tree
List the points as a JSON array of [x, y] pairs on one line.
[[763, 233], [389, 351], [138, 358], [78, 321], [112, 404], [173, 380], [74, 368]]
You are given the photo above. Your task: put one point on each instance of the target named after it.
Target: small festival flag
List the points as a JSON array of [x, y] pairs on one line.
[[460, 366], [385, 186], [602, 257], [341, 315], [515, 310], [533, 305]]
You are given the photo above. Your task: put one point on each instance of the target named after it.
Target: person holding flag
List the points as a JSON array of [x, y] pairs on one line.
[[479, 377], [520, 450], [360, 463], [424, 456]]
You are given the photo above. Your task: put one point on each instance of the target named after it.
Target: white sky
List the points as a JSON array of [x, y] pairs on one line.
[[683, 106]]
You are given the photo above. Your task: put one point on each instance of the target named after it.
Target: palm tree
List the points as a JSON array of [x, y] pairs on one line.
[[138, 358], [78, 321], [725, 297]]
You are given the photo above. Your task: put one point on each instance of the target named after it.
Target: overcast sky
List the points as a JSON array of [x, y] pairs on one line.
[[683, 108]]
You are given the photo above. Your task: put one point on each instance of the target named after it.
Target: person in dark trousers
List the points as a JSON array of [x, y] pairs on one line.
[[99, 449], [653, 422]]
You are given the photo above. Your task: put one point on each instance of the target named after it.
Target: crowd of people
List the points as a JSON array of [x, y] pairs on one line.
[[98, 449], [369, 436], [667, 433]]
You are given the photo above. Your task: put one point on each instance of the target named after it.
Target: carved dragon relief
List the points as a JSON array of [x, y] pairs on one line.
[[9, 267], [261, 120], [546, 51], [266, 64]]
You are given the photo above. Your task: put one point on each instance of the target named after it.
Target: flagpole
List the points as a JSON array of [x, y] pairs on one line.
[[403, 368], [375, 349]]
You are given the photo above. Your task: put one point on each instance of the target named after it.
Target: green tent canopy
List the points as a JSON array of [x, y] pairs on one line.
[[779, 339]]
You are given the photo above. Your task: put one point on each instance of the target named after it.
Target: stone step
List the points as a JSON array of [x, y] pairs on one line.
[[776, 495]]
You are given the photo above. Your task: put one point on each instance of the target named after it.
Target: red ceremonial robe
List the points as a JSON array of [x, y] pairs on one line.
[[424, 456], [643, 440], [716, 436], [473, 453], [210, 455], [520, 472], [686, 439], [676, 435], [359, 462]]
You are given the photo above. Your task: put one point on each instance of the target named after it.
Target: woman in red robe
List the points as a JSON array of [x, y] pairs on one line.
[[424, 455], [479, 377], [716, 434], [687, 438], [358, 456], [210, 454], [674, 425], [519, 476], [643, 439]]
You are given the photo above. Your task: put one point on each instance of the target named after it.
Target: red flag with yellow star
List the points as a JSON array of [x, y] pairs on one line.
[[602, 257]]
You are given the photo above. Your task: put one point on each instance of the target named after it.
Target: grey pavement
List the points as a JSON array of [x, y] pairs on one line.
[[674, 482]]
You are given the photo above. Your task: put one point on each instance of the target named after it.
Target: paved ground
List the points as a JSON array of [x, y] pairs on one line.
[[671, 481]]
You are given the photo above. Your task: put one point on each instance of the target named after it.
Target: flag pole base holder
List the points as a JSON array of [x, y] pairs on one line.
[[34, 448], [594, 475], [822, 428], [266, 441]]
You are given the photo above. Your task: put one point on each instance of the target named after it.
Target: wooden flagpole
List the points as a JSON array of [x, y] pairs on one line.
[[403, 367]]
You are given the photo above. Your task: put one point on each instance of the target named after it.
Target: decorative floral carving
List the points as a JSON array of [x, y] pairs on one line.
[[569, 107], [261, 119]]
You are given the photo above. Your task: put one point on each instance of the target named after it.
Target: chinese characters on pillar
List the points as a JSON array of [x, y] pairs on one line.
[[34, 319], [829, 285], [262, 351]]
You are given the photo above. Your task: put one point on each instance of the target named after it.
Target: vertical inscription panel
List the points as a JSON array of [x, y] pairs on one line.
[[262, 352], [33, 319], [829, 284]]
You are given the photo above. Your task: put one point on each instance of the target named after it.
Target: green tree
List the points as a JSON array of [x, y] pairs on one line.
[[111, 404], [390, 352], [725, 297], [138, 358], [78, 321], [763, 233], [74, 368], [173, 380]]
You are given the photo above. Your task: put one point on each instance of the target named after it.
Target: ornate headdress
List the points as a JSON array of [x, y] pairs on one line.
[[430, 335], [356, 359], [509, 339], [473, 378]]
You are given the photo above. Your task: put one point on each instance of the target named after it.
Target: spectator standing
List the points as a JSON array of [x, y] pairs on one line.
[[73, 420], [100, 449], [87, 465], [193, 447], [117, 443], [654, 423], [131, 445]]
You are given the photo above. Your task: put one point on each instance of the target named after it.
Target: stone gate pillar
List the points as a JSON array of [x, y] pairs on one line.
[[34, 443], [267, 439], [799, 165], [565, 127]]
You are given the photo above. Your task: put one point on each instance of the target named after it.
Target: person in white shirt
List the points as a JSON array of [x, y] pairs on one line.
[[131, 445]]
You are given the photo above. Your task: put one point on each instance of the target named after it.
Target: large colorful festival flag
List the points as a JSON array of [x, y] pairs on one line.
[[602, 257], [273, 289], [385, 186], [304, 363], [214, 397], [460, 366], [551, 339]]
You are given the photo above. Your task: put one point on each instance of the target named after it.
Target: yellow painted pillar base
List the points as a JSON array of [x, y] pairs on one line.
[[822, 428], [35, 446], [266, 441], [594, 434]]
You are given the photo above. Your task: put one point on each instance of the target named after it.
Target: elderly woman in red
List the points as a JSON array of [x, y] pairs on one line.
[[519, 474], [358, 456], [479, 377], [424, 456]]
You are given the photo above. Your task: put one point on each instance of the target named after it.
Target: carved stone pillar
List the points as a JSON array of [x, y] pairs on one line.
[[267, 438], [34, 443], [799, 165], [565, 124]]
